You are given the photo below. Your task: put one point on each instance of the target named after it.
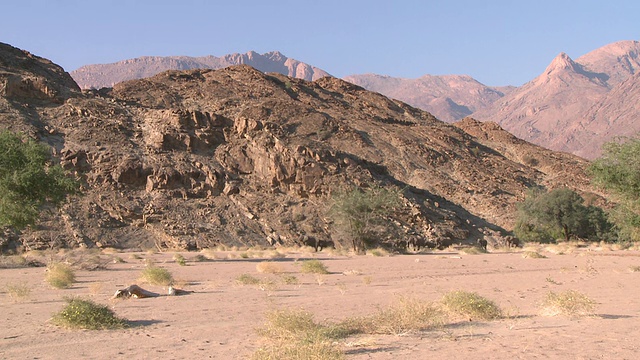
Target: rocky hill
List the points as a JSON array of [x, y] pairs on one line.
[[190, 159], [107, 75]]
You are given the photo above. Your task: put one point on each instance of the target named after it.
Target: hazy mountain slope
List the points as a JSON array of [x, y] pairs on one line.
[[107, 75], [448, 97], [573, 106], [618, 61]]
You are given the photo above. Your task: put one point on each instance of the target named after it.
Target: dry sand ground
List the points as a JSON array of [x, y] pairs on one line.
[[220, 318]]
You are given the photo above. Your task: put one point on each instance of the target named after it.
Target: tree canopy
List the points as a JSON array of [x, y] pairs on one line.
[[560, 213], [359, 212], [28, 180], [618, 170]]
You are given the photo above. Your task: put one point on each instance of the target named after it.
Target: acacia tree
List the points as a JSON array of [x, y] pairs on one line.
[[545, 216], [618, 170], [360, 212], [28, 180]]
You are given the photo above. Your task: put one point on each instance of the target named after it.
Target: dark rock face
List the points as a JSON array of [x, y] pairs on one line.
[[196, 158]]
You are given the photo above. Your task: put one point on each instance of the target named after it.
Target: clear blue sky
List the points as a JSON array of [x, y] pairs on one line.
[[496, 42]]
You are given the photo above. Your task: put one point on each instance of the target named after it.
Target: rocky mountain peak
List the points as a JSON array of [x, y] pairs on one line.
[[561, 63]]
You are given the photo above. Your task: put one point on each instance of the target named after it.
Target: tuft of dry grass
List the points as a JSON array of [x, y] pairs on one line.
[[352, 272], [470, 305], [561, 248], [18, 292], [378, 252], [246, 279], [473, 250], [156, 275], [405, 316], [269, 267], [313, 267], [569, 303], [59, 275], [533, 255], [85, 314], [634, 268], [199, 258], [293, 334]]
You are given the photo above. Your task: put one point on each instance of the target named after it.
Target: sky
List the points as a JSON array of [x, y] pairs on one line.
[[501, 42]]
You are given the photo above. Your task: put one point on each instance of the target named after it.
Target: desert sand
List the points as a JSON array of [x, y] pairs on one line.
[[219, 319]]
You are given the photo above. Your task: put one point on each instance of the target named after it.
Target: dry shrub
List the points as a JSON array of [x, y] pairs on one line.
[[275, 254], [199, 258], [634, 268], [533, 255], [313, 267], [405, 316], [378, 252], [473, 250], [156, 275], [470, 305], [96, 288], [561, 248], [352, 272], [86, 259], [18, 292], [214, 253], [246, 279], [13, 261], [85, 314], [290, 279], [269, 267], [179, 259], [569, 303], [59, 275], [292, 334]]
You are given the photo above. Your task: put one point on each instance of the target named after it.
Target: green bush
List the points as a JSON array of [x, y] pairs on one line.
[[28, 179], [360, 213], [617, 170], [560, 213], [85, 314]]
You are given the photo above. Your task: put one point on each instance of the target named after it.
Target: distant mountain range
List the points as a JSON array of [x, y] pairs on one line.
[[573, 106], [106, 75]]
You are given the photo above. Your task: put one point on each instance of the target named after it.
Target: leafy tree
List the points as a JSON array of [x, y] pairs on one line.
[[545, 216], [618, 170], [28, 180], [361, 213]]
